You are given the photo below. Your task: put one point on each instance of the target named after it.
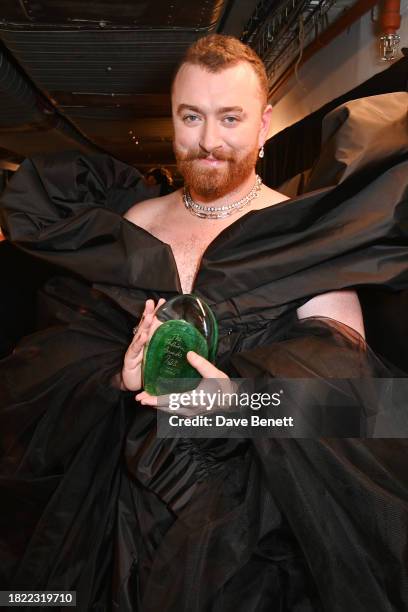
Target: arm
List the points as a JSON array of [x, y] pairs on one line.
[[342, 306]]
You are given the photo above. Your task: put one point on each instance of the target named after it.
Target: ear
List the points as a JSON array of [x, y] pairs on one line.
[[265, 123]]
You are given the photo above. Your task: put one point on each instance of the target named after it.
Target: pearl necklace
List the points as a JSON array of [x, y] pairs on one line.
[[220, 212]]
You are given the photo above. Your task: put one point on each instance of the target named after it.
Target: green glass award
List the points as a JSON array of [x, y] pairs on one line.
[[188, 324]]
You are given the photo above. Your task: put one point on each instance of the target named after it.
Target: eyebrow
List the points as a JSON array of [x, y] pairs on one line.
[[224, 109], [231, 109]]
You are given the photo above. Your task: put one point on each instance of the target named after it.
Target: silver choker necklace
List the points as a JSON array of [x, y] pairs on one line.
[[220, 212]]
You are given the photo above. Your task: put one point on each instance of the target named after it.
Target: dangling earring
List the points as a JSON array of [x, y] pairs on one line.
[[261, 152]]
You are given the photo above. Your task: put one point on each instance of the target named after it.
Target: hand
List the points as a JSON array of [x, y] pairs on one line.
[[132, 364], [207, 370]]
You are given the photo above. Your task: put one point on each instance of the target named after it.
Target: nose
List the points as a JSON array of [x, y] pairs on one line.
[[210, 139]]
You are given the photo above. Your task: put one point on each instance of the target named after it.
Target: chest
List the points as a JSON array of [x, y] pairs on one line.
[[188, 245]]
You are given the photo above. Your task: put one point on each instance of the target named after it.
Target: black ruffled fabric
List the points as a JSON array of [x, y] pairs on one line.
[[93, 501]]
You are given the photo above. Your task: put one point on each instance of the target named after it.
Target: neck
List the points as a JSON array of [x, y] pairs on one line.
[[232, 196]]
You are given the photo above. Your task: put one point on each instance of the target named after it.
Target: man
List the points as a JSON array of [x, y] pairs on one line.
[[221, 119], [92, 499]]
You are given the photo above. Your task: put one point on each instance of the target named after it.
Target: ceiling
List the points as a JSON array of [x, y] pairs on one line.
[[96, 75]]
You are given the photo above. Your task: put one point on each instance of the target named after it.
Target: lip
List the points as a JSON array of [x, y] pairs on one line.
[[213, 163]]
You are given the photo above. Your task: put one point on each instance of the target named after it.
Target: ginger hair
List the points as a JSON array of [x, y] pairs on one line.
[[216, 52]]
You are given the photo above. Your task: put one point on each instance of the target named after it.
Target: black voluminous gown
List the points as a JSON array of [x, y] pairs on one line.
[[93, 501]]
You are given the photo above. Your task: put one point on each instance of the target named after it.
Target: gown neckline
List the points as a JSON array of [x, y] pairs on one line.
[[214, 241]]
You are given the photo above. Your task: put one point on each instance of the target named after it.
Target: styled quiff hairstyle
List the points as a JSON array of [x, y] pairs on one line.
[[216, 52]]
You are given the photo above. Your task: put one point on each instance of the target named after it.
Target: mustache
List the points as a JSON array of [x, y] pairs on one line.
[[198, 154]]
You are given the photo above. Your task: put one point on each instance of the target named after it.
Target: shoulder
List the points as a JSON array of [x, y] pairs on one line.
[[343, 306], [269, 197], [149, 209]]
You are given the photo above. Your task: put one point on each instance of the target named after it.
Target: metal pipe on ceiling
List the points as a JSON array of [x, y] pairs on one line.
[[346, 20]]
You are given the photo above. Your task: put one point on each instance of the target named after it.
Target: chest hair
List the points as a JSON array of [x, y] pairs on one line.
[[188, 248]]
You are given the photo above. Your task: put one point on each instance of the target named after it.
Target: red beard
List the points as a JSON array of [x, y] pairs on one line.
[[213, 183]]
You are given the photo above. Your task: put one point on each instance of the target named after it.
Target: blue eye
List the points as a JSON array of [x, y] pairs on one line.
[[191, 118], [230, 119]]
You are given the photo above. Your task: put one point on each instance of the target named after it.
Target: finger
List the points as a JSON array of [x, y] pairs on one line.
[[161, 401], [146, 399], [148, 316], [155, 322], [223, 388], [149, 305], [154, 325], [203, 366], [159, 304], [135, 349], [148, 309], [166, 403], [145, 324], [184, 404]]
